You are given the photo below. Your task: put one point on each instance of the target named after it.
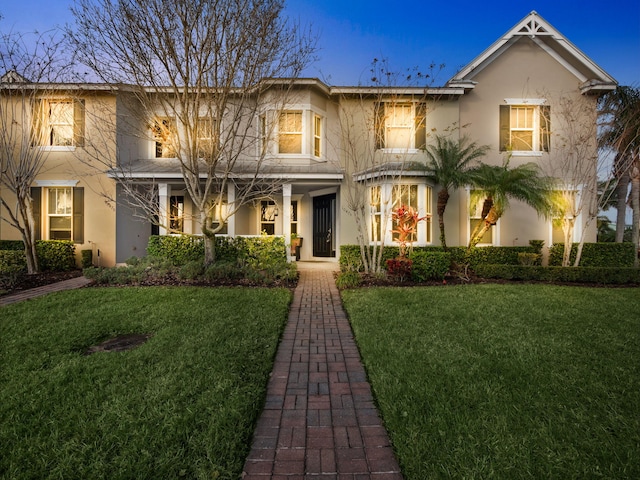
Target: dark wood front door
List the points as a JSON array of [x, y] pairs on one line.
[[324, 226]]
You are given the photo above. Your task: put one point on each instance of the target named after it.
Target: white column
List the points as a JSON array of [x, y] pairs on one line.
[[231, 198], [286, 215], [163, 207]]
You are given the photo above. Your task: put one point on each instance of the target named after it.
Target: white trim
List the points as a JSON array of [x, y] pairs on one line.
[[525, 101], [56, 183], [57, 148]]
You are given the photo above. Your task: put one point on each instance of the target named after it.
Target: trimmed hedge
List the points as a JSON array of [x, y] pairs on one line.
[[53, 255], [429, 265], [56, 255], [596, 254], [178, 249], [350, 255], [595, 275], [11, 245]]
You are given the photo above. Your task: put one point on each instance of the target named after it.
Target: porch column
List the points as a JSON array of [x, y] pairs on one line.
[[163, 207], [286, 215], [231, 221]]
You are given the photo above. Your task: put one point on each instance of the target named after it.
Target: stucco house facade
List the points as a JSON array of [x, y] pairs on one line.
[[326, 148]]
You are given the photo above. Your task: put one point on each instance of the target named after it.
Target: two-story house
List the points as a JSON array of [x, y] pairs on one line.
[[328, 152]]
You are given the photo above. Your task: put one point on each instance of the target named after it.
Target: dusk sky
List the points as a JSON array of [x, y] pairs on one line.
[[415, 33]]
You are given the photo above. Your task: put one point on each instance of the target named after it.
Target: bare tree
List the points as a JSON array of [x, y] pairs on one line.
[[576, 169], [201, 72], [29, 66], [361, 135]]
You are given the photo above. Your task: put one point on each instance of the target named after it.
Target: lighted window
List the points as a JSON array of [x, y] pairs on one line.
[[400, 125], [205, 135], [59, 213], [385, 198], [524, 128], [406, 195], [564, 214], [376, 213], [59, 123], [268, 214], [475, 217], [290, 132], [317, 136], [163, 131], [294, 217], [176, 213]]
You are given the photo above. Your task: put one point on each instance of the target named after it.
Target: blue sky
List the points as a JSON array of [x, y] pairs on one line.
[[415, 33]]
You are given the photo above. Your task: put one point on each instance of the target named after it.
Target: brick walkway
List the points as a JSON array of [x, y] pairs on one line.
[[39, 291], [319, 420]]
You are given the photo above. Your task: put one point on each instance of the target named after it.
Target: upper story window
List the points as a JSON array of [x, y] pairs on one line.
[[317, 136], [290, 132], [400, 125], [205, 136], [59, 123], [524, 126], [163, 130]]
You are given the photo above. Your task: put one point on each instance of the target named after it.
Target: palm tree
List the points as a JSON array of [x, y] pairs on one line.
[[499, 184], [449, 165], [620, 133]]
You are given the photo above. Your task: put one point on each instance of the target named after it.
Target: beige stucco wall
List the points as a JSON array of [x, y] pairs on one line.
[[523, 71]]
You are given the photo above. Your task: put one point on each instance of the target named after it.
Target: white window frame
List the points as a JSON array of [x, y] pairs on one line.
[[410, 127], [386, 206], [155, 138], [317, 136], [300, 133], [578, 220], [535, 104], [495, 229], [68, 190]]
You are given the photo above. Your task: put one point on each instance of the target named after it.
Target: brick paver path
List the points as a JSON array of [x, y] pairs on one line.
[[70, 284], [319, 420]]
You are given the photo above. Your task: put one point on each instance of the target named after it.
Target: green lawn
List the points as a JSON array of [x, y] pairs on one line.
[[505, 381], [183, 405]]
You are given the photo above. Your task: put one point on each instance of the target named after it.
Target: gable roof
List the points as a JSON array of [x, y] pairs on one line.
[[593, 78]]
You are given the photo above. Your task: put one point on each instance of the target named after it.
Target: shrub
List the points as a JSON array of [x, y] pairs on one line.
[[348, 279], [529, 258], [179, 249], [12, 265], [56, 255], [192, 270], [263, 254], [400, 268], [87, 258], [596, 254], [11, 245], [429, 265], [595, 275]]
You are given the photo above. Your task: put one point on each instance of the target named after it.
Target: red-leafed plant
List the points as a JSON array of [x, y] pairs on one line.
[[405, 219]]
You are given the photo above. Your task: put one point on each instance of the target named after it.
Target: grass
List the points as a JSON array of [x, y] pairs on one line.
[[183, 405], [505, 381]]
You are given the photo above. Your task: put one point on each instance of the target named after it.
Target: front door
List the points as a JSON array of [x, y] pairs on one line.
[[324, 226]]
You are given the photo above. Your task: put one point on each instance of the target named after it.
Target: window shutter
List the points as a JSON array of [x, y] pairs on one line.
[[37, 134], [545, 128], [78, 123], [379, 125], [78, 214], [505, 127], [36, 205], [421, 126]]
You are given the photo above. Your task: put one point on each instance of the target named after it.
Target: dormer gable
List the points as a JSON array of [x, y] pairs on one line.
[[592, 78]]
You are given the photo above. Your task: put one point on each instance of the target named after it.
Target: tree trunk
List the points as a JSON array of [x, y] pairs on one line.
[[28, 235], [443, 199], [567, 229], [621, 204], [483, 227], [209, 239], [635, 204]]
